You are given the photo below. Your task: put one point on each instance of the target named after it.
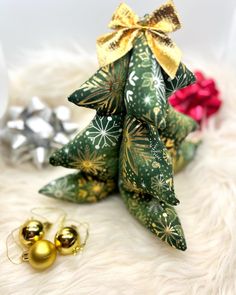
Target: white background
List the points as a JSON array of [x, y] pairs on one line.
[[209, 26]]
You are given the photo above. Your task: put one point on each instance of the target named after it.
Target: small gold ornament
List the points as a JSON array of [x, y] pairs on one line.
[[32, 231], [41, 255], [67, 240]]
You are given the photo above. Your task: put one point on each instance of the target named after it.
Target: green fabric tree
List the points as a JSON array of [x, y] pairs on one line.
[[133, 144]]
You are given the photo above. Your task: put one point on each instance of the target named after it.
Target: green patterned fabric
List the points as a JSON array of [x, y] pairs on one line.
[[134, 143], [80, 188], [145, 92], [160, 218], [145, 163], [104, 91], [95, 150], [184, 154]]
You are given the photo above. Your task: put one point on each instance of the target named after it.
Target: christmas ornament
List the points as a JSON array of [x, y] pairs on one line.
[[33, 132], [199, 100], [67, 240], [32, 231], [41, 253], [136, 136]]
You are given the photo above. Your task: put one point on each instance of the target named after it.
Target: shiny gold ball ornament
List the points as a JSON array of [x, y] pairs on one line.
[[30, 232], [41, 255], [67, 240]]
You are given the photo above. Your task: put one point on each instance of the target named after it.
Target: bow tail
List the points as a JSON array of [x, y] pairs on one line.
[[165, 51], [112, 46]]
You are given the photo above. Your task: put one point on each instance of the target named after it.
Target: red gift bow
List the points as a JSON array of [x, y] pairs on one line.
[[199, 100]]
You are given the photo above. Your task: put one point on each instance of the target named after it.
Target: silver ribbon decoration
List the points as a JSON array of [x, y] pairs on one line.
[[34, 132]]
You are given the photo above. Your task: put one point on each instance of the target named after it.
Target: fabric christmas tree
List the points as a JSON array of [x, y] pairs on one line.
[[136, 140]]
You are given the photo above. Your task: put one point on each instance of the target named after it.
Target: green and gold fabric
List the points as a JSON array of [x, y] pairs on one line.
[[134, 143]]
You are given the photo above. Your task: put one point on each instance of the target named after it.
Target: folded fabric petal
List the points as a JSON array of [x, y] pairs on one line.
[[104, 90], [145, 94], [79, 188], [145, 163], [95, 150], [160, 218]]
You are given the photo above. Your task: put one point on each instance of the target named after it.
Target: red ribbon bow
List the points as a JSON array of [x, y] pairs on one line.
[[199, 100]]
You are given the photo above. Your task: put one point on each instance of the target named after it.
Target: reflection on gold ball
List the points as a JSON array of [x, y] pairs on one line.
[[30, 232], [67, 240], [42, 254]]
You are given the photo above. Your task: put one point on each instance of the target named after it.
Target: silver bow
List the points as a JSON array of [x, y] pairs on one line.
[[33, 132]]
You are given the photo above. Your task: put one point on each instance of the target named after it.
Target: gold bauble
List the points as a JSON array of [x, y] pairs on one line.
[[67, 240], [42, 254], [30, 232]]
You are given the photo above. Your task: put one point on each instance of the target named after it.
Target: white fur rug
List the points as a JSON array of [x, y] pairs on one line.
[[122, 257]]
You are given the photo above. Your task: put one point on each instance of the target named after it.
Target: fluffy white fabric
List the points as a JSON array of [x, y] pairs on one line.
[[122, 257]]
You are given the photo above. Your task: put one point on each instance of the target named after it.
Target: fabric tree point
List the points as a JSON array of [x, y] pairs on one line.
[[136, 140]]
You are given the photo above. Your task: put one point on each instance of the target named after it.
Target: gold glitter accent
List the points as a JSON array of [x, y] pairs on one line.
[[135, 144], [156, 164], [156, 27]]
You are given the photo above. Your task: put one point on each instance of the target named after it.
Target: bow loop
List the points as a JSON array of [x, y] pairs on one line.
[[123, 17], [164, 19], [156, 26]]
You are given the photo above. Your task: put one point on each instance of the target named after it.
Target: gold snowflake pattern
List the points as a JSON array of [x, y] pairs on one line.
[[135, 144], [159, 184], [92, 190], [88, 161], [105, 88], [169, 230]]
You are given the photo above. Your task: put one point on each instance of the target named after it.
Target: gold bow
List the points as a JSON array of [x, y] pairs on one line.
[[156, 26]]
